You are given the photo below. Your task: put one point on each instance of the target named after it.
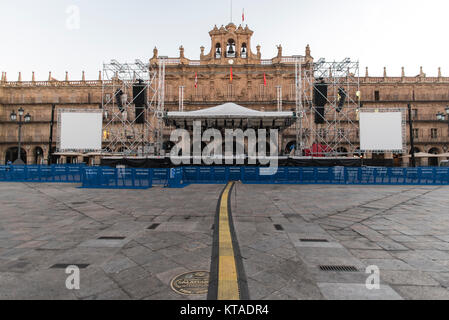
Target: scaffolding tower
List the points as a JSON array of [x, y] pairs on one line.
[[337, 134], [127, 130]]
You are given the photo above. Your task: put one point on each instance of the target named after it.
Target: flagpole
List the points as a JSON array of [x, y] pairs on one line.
[[231, 10]]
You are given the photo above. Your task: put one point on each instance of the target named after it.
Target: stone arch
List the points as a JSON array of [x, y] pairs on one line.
[[290, 146], [54, 159], [11, 155], [433, 161], [230, 48], [342, 150], [38, 154], [244, 51], [434, 150], [218, 50], [168, 146]]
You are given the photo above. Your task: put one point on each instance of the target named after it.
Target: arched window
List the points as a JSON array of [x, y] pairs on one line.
[[290, 147], [38, 155], [218, 51], [342, 151], [434, 151], [230, 49], [244, 51], [12, 153]]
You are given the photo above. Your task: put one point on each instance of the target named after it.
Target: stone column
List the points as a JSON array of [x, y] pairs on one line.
[[425, 162], [406, 162], [2, 155], [30, 155]]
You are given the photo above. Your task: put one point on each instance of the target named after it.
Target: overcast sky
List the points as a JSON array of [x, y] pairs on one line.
[[43, 35]]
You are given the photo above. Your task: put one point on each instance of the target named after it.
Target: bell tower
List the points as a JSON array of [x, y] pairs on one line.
[[229, 45]]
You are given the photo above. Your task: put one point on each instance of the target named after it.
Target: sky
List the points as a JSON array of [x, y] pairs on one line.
[[77, 35]]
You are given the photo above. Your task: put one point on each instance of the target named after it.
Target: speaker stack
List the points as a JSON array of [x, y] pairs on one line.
[[139, 96], [320, 100]]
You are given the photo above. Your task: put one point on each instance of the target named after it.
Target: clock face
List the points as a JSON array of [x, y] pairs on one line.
[[230, 61]]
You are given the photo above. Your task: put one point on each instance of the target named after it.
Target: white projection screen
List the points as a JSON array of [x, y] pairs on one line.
[[80, 130], [381, 131]]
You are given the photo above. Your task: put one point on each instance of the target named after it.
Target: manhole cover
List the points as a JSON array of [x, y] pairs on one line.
[[191, 283]]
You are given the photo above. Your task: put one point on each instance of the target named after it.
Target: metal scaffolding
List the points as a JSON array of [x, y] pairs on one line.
[[338, 133], [127, 130]]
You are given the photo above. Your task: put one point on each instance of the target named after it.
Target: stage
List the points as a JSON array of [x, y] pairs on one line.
[[165, 162]]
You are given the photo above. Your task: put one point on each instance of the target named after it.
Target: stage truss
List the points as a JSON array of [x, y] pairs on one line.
[[122, 134], [338, 134]]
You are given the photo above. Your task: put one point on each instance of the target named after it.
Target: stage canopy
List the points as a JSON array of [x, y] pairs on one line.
[[231, 115]]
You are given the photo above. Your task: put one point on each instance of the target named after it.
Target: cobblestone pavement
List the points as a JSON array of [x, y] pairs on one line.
[[166, 232]]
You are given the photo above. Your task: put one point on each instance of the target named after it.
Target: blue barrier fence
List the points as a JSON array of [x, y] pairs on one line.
[[332, 175], [106, 177], [130, 178], [54, 173]]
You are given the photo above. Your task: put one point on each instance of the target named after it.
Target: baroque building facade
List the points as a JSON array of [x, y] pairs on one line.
[[229, 72]]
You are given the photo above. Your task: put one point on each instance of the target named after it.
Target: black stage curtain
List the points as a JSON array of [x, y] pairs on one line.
[[316, 162]]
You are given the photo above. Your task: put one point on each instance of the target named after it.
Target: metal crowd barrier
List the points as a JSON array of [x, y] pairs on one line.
[[331, 175], [36, 173], [130, 178]]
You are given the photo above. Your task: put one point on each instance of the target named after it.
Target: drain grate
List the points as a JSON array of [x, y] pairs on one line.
[[339, 268], [279, 227], [313, 240], [65, 265], [111, 238], [154, 226]]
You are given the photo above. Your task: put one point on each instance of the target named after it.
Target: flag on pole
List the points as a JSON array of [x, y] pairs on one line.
[[243, 16], [231, 76], [264, 79], [196, 80]]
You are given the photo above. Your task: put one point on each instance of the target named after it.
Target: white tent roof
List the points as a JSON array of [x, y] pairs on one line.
[[228, 111]]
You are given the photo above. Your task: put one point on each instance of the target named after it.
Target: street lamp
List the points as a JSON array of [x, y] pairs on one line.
[[27, 118], [412, 140], [442, 117]]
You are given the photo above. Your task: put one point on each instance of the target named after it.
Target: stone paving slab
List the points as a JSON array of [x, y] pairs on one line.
[[402, 230]]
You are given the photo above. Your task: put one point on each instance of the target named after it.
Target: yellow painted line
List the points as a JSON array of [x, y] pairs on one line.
[[228, 288]]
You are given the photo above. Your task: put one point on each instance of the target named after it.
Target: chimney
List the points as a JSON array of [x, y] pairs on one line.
[[20, 77], [49, 76], [33, 78], [385, 72], [83, 78], [366, 72], [403, 72], [99, 75], [66, 76]]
